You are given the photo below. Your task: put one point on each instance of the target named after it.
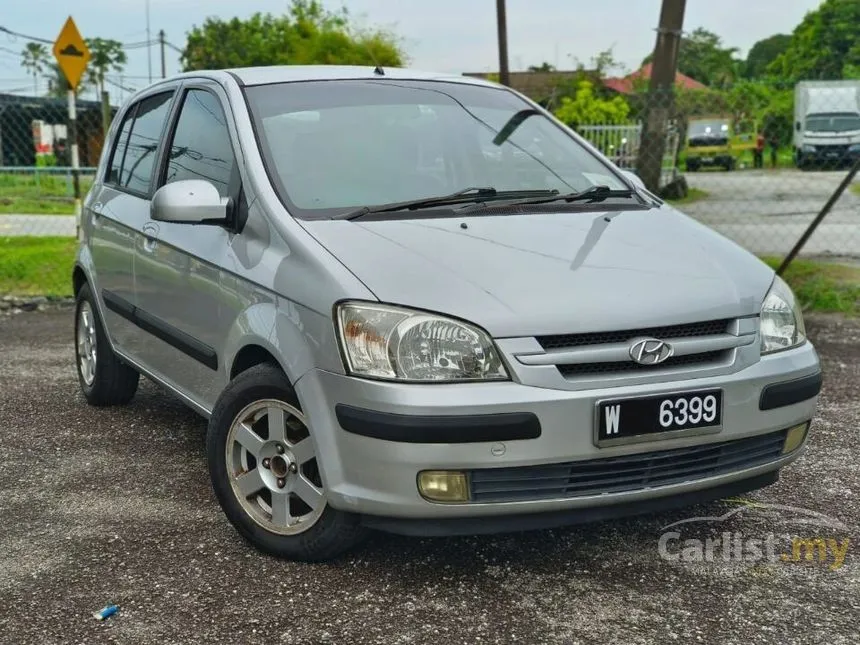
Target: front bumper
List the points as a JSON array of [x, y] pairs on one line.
[[377, 476], [828, 156]]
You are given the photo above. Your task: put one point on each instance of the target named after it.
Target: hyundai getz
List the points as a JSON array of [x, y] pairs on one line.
[[419, 303]]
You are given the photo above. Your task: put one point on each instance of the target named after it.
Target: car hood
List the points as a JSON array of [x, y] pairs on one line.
[[571, 272]]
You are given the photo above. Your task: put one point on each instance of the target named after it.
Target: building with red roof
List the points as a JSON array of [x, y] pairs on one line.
[[626, 84]]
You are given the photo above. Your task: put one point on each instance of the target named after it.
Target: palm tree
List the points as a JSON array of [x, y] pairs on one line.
[[106, 55], [58, 84], [34, 57]]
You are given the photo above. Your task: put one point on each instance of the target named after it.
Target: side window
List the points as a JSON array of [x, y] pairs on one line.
[[119, 148], [146, 132], [201, 146]]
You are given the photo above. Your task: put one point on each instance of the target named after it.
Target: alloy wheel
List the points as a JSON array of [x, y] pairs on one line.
[[273, 468]]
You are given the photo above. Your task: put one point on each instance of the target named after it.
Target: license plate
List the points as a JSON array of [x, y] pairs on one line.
[[654, 415]]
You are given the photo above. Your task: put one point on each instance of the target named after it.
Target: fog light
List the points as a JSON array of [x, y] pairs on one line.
[[443, 486], [794, 437]]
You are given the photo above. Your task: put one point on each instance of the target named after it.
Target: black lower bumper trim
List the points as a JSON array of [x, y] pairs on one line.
[[508, 426], [778, 395], [535, 521]]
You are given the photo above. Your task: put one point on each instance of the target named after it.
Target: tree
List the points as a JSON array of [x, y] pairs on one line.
[[825, 45], [106, 55], [307, 34], [543, 67], [58, 84], [763, 53], [702, 56], [34, 57], [605, 62], [586, 107]]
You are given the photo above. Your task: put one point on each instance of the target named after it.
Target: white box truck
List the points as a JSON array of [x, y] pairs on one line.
[[826, 123]]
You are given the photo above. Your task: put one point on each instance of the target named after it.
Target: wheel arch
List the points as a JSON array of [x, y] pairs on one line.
[[249, 356], [79, 279], [285, 334]]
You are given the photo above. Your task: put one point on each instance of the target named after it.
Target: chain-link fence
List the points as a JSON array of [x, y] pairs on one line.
[[37, 205], [757, 162]]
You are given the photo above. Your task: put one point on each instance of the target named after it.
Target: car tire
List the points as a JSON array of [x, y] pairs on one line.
[[104, 379], [233, 455]]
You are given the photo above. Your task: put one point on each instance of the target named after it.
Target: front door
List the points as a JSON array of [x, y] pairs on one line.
[[177, 270]]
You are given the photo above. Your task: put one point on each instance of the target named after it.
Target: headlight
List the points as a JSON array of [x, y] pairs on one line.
[[781, 319], [807, 148], [854, 147], [385, 342]]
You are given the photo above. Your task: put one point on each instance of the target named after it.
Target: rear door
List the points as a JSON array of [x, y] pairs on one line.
[[119, 211]]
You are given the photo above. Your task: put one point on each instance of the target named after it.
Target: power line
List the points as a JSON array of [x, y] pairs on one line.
[[134, 45], [24, 36], [120, 86]]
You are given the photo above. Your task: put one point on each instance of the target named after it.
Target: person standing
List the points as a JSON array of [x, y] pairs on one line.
[[774, 146], [758, 152]]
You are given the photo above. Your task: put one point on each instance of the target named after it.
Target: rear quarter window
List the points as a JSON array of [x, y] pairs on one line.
[[134, 155]]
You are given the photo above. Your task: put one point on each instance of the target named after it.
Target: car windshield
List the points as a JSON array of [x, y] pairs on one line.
[[833, 123], [331, 146], [708, 128]]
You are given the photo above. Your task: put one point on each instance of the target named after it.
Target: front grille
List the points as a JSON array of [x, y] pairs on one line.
[[563, 341], [589, 369], [622, 474]]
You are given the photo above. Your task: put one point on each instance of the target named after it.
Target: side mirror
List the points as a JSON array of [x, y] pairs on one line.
[[634, 178], [190, 201]]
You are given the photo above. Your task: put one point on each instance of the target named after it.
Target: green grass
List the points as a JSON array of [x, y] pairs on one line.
[[31, 266], [823, 286], [44, 194], [855, 188], [693, 195]]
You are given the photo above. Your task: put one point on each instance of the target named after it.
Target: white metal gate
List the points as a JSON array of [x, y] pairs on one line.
[[620, 143]]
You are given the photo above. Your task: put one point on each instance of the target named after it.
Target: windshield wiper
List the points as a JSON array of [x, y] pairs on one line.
[[591, 194], [464, 196]]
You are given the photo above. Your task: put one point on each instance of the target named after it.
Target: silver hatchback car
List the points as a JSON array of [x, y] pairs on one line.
[[419, 303]]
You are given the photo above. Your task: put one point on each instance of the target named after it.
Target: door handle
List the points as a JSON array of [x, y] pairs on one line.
[[150, 237]]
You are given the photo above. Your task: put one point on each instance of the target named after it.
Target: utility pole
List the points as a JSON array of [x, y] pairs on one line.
[[72, 137], [105, 97], [163, 64], [652, 146], [504, 74], [148, 44]]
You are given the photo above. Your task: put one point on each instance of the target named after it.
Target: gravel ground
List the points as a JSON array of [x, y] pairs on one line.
[[114, 506]]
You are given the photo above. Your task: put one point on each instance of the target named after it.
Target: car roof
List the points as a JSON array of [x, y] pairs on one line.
[[296, 73]]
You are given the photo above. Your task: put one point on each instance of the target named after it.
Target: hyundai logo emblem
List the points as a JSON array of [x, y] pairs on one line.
[[650, 351]]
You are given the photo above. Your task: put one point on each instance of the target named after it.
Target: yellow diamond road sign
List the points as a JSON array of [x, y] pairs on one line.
[[71, 53]]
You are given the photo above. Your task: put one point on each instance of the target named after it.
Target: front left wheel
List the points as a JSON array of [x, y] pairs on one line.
[[265, 471]]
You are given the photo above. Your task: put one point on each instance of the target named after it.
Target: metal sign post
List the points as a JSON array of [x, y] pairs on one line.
[[72, 55]]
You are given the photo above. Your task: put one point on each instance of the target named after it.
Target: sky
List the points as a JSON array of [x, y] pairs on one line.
[[440, 35]]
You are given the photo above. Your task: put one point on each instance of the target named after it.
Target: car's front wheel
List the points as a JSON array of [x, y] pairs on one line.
[[103, 377], [266, 474]]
